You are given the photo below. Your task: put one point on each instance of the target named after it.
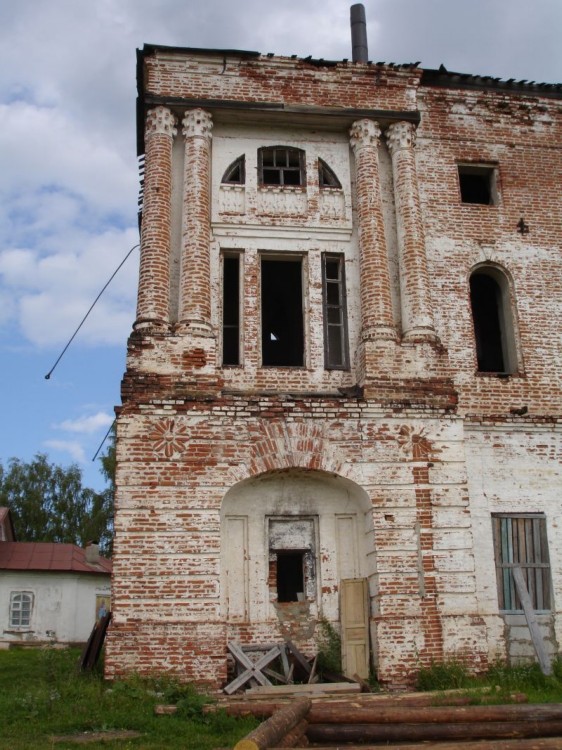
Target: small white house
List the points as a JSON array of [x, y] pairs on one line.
[[49, 592]]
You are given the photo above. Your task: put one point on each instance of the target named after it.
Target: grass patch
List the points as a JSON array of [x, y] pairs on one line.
[[42, 694], [500, 679]]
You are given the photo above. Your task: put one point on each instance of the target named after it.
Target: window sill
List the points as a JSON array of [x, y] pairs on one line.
[[282, 188]]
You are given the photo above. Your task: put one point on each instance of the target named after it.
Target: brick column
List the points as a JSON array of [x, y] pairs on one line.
[[195, 283], [417, 312], [154, 277], [376, 304]]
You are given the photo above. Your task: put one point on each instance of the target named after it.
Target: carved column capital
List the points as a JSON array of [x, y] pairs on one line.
[[160, 121], [197, 122], [401, 135], [364, 133]]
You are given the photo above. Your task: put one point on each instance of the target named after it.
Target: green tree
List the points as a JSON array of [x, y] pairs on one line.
[[49, 504]]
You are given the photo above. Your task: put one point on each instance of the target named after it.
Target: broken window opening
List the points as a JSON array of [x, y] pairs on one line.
[[336, 349], [236, 172], [520, 540], [231, 310], [326, 176], [282, 312], [290, 576], [493, 326], [477, 184], [278, 165], [21, 604]]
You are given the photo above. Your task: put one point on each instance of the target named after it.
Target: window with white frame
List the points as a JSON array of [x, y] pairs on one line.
[[335, 315], [520, 541], [21, 606]]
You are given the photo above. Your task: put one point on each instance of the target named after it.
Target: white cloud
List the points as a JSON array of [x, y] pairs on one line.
[[87, 425], [72, 448]]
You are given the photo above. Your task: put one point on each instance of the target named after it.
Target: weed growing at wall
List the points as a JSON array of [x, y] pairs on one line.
[[329, 648]]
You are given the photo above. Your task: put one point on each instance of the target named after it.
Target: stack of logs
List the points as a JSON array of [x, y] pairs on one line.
[[367, 721]]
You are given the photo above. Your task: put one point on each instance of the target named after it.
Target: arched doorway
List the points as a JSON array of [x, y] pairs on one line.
[[288, 540]]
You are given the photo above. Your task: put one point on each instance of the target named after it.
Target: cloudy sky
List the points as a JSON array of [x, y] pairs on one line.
[[68, 170]]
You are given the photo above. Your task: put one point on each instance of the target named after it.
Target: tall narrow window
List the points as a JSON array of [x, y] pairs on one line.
[[520, 540], [335, 315], [493, 322], [282, 312], [279, 165], [231, 310], [21, 603]]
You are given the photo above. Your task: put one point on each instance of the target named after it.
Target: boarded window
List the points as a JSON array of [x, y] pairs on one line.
[[21, 605], [278, 165], [282, 314], [231, 310], [335, 314], [520, 540]]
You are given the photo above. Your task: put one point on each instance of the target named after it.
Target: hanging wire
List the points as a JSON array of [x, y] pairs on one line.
[[111, 426], [48, 375]]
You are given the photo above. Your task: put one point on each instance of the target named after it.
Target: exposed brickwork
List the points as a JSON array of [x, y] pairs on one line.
[[397, 462]]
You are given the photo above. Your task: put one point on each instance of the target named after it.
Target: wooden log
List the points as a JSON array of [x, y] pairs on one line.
[[348, 733], [296, 736], [350, 714], [162, 710], [276, 727], [538, 743]]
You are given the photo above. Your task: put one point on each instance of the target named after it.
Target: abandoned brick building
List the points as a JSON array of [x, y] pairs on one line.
[[343, 388]]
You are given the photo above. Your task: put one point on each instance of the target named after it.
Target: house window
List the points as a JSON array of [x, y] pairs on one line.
[[520, 540], [493, 321], [231, 310], [21, 605], [477, 184], [326, 176], [236, 172], [282, 315], [278, 165], [335, 314]]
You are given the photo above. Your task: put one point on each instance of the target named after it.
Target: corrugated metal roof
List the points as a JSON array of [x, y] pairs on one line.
[[49, 556]]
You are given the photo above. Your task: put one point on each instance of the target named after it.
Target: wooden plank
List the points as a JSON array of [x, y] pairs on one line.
[[354, 614], [253, 670], [534, 629], [318, 687]]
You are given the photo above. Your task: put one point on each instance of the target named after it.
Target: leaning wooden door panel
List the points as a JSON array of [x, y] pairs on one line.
[[236, 538], [354, 614]]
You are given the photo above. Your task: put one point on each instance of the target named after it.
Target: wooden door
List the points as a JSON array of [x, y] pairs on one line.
[[354, 614]]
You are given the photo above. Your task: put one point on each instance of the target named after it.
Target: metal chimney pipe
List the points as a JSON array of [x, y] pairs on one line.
[[359, 50]]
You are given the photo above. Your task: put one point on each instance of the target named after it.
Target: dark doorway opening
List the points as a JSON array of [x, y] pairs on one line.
[[290, 576], [282, 312]]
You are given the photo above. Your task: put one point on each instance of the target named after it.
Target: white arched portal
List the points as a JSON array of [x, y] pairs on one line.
[[288, 530]]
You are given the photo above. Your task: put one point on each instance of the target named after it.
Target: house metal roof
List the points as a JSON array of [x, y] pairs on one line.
[[49, 556]]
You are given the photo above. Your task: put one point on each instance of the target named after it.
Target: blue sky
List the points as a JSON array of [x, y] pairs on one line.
[[68, 168]]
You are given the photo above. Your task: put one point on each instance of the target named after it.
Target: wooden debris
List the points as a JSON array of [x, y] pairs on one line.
[[250, 670], [349, 733], [84, 738], [349, 714], [275, 729], [92, 650], [539, 743], [315, 688]]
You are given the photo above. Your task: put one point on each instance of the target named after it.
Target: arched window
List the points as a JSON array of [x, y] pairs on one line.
[[326, 176], [493, 321], [279, 165], [21, 604], [236, 172]]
